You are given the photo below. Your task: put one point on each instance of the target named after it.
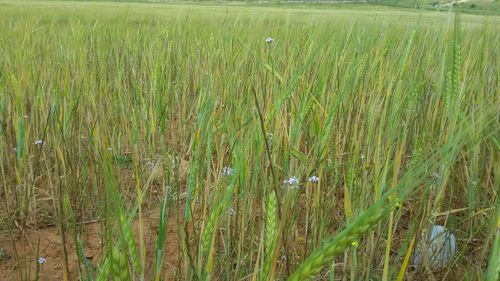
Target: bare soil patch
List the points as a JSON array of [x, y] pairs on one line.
[[20, 250]]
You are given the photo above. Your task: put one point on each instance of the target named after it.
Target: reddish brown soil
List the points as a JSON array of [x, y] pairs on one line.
[[16, 264]]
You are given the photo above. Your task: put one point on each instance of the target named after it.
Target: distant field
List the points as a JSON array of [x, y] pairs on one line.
[[294, 12], [470, 6], [233, 141], [491, 7]]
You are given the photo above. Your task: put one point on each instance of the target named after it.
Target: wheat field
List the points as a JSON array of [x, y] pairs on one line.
[[205, 141]]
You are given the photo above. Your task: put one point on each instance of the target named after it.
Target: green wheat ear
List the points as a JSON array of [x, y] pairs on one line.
[[271, 232], [271, 221], [340, 242], [119, 266], [104, 270], [209, 230], [127, 234], [453, 75], [494, 262]]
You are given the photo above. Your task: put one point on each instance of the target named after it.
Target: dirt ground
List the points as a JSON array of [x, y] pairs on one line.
[[14, 261]]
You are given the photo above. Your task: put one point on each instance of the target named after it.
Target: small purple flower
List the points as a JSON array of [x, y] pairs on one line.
[[41, 260], [292, 181], [313, 179]]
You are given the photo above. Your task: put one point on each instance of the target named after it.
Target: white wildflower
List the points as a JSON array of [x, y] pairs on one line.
[[269, 40], [227, 172], [313, 179], [39, 142]]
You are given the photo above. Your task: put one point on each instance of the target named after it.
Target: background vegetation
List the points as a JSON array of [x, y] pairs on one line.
[[109, 111]]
